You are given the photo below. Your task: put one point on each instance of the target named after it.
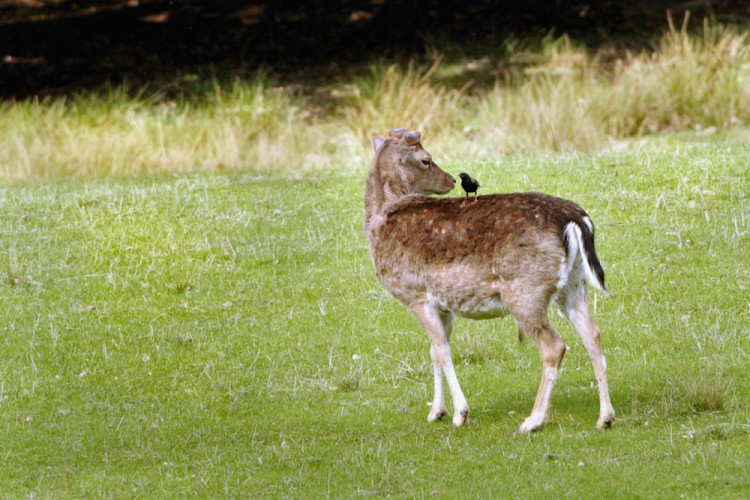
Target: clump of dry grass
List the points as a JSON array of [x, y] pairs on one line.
[[389, 96], [565, 99], [706, 393], [577, 101], [551, 109], [689, 82]]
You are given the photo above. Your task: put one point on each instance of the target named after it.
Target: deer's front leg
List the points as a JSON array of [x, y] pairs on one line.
[[437, 410], [438, 326]]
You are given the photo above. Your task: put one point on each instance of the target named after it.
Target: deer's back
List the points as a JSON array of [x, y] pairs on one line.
[[439, 229]]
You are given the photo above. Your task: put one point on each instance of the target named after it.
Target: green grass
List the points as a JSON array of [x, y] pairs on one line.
[[223, 334]]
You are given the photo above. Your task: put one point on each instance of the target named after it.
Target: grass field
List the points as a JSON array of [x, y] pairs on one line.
[[223, 334]]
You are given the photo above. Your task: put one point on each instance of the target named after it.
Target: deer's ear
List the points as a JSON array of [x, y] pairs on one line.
[[377, 143]]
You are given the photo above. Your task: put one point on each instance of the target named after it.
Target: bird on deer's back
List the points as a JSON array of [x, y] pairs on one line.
[[469, 185]]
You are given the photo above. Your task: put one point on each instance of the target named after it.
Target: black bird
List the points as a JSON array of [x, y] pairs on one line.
[[469, 185]]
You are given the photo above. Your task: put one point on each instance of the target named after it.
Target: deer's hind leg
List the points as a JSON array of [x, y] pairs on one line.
[[438, 325], [574, 304], [531, 314]]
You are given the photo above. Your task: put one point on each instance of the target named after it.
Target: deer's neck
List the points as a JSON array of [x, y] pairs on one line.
[[381, 190], [374, 196]]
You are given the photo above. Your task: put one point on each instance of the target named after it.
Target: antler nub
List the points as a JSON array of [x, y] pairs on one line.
[[412, 138], [397, 133]]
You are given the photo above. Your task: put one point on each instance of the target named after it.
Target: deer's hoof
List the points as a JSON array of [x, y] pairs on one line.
[[605, 423], [460, 417], [435, 415], [531, 424]]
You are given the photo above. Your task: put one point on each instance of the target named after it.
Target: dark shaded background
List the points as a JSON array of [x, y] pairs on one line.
[[50, 47]]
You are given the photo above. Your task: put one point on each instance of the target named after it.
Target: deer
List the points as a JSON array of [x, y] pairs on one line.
[[506, 254]]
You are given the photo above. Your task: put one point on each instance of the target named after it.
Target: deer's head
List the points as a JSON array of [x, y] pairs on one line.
[[406, 167]]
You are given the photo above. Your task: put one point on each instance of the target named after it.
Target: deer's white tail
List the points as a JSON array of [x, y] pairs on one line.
[[579, 238]]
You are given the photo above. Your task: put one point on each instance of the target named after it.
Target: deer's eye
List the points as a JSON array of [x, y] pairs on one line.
[[426, 163]]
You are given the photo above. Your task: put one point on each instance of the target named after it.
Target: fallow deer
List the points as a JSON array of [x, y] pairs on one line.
[[505, 254]]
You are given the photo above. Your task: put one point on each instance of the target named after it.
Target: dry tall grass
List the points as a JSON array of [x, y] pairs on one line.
[[688, 82], [579, 101], [566, 99]]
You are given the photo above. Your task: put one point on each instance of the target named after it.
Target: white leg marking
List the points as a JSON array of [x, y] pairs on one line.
[[437, 411], [538, 416]]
